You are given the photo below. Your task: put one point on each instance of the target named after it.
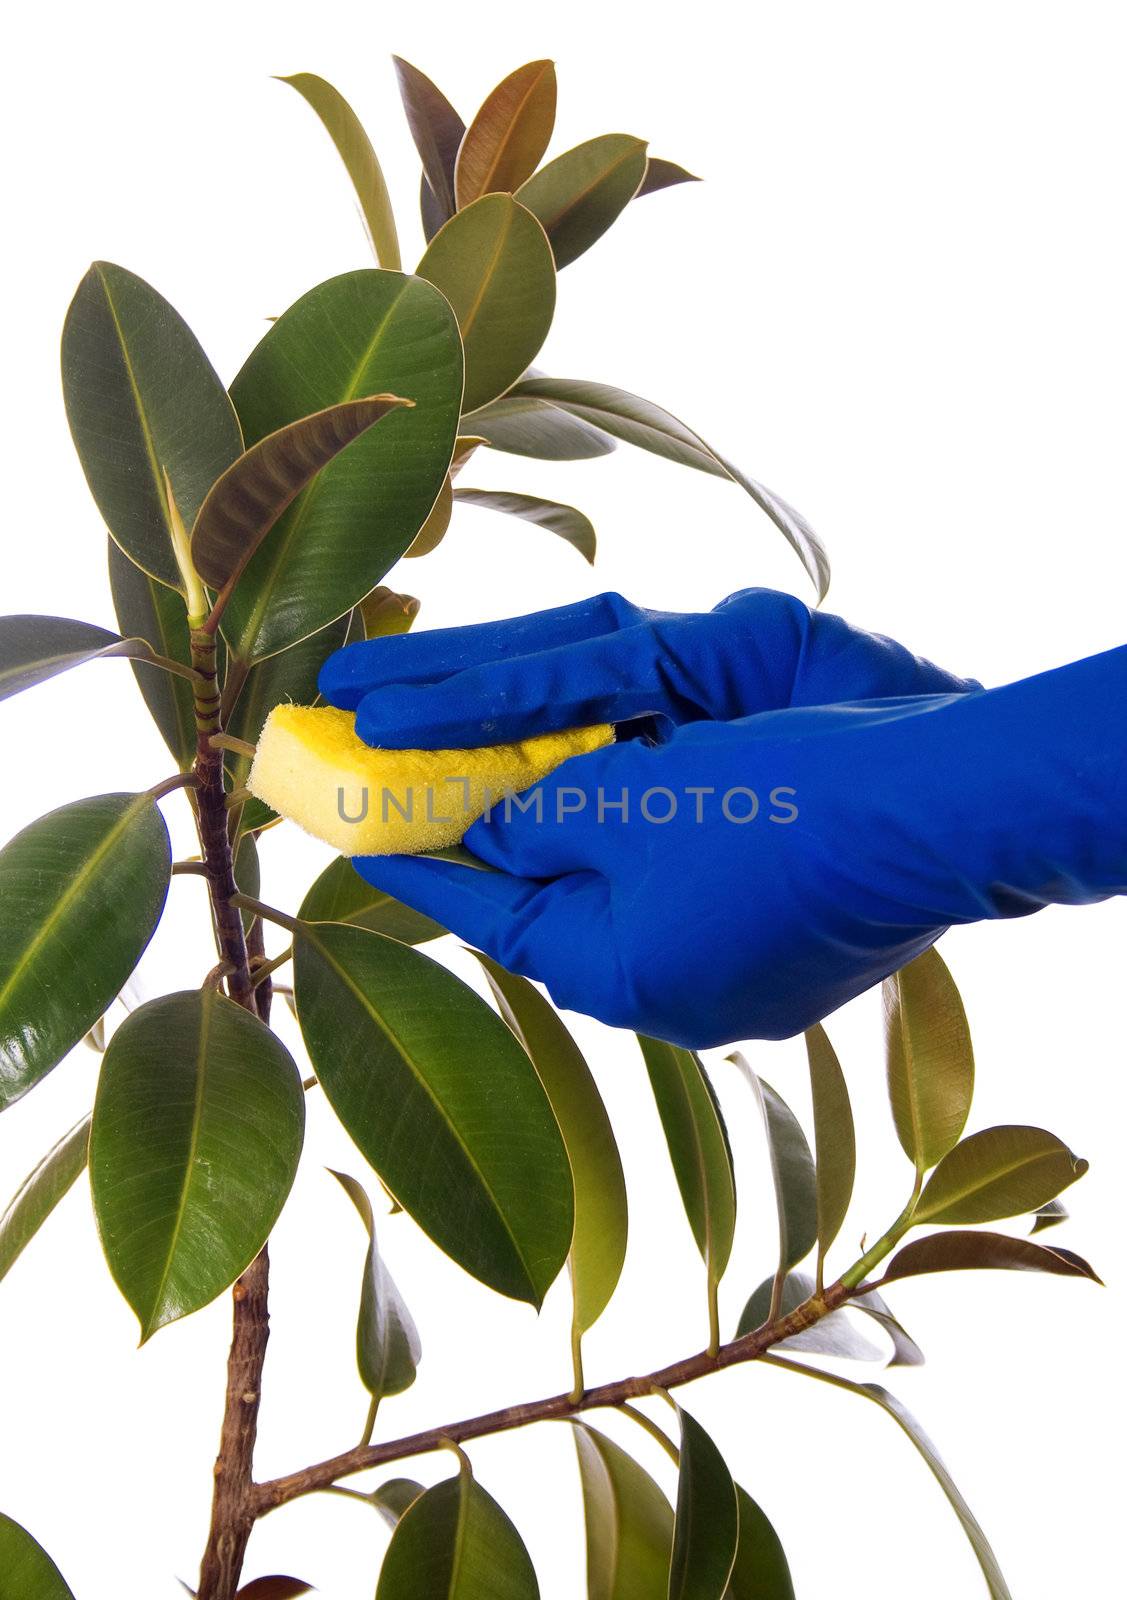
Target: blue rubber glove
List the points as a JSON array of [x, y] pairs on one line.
[[832, 803]]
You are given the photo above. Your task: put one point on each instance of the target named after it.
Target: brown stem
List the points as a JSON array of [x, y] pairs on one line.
[[267, 1496]]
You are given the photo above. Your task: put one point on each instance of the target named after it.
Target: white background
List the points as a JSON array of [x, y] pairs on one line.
[[898, 299]]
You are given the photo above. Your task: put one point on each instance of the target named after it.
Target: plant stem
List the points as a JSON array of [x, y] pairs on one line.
[[648, 1425], [247, 902], [370, 1422], [887, 1242]]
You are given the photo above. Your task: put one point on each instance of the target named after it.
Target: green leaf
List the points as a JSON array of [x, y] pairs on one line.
[[629, 1522], [275, 1587], [1050, 1215], [662, 174], [395, 1497], [441, 1100], [494, 265], [640, 422], [433, 530], [150, 610], [963, 1250], [244, 504], [577, 196], [792, 1171], [563, 520], [41, 1191], [197, 1131], [363, 333], [142, 399], [26, 1570], [760, 1571], [360, 161], [384, 614], [81, 891], [35, 648], [698, 1148], [598, 1245], [340, 894], [437, 130], [832, 1335], [834, 1141], [706, 1528], [905, 1351], [504, 142], [930, 1061], [387, 1341], [999, 1172], [524, 425], [248, 873], [455, 1543]]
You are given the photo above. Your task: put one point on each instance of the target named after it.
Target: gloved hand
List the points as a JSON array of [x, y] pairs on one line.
[[818, 807]]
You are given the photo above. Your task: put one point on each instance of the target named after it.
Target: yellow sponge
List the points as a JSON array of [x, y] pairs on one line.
[[312, 768]]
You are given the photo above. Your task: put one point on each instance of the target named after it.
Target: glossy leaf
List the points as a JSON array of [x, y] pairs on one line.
[[142, 399], [761, 1571], [276, 1587], [929, 1058], [455, 1543], [834, 1140], [441, 1100], [504, 142], [395, 1497], [340, 894], [662, 174], [962, 1250], [248, 873], [41, 1191], [698, 1148], [383, 613], [363, 333], [34, 648], [598, 1245], [905, 1351], [437, 130], [563, 520], [999, 1172], [629, 1522], [1050, 1215], [792, 1172], [433, 530], [360, 161], [81, 891], [577, 196], [150, 610], [524, 425], [640, 422], [387, 1341], [706, 1527], [494, 265], [833, 1335], [26, 1570], [197, 1131], [244, 504]]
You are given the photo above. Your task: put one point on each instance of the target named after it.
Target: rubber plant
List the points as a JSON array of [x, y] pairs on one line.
[[250, 529]]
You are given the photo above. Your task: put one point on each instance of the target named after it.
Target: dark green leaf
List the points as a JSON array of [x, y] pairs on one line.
[[360, 161], [598, 1245], [433, 530], [340, 894], [832, 1335], [196, 1136], [142, 399], [441, 1100], [81, 891], [150, 610], [929, 1057], [662, 174], [387, 1341], [367, 332], [707, 1522], [26, 1570], [244, 504], [963, 1250], [384, 613], [629, 1522], [394, 1497], [34, 648], [905, 1351], [563, 520], [698, 1148], [999, 1172], [1050, 1215], [275, 1587], [494, 265], [455, 1543], [640, 422], [792, 1171], [437, 130], [761, 1571], [834, 1141], [41, 1191], [577, 196], [523, 425], [504, 142], [248, 873]]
